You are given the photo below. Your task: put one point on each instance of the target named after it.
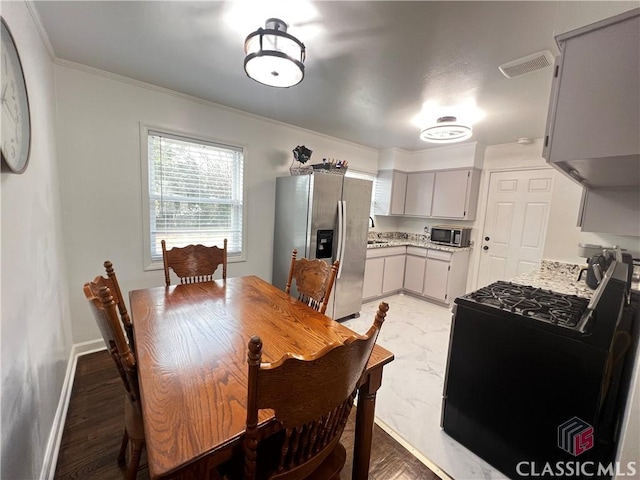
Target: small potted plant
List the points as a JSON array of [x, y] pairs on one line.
[[301, 154]]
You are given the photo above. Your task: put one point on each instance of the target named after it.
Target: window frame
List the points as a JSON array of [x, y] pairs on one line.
[[148, 262], [374, 179]]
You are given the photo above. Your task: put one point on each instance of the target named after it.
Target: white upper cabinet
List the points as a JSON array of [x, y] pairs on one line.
[[455, 194], [593, 127], [419, 195], [440, 194], [610, 210]]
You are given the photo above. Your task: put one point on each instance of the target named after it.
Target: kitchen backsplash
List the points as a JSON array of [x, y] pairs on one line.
[[410, 237]]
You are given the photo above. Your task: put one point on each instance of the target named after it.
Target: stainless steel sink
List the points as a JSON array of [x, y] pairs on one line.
[[371, 242]]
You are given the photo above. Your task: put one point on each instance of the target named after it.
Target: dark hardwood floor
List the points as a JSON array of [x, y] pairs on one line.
[[93, 431]]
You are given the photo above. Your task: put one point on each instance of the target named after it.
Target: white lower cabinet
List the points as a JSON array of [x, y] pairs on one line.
[[430, 273], [383, 271], [373, 272], [393, 278], [436, 274], [414, 272]]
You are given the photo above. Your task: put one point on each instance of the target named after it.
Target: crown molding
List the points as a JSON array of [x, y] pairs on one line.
[[191, 98], [33, 11]]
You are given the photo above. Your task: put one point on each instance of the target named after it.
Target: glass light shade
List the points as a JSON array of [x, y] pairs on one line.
[[273, 57], [447, 130]]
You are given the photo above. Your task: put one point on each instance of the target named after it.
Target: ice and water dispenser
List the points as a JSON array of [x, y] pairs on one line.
[[324, 244]]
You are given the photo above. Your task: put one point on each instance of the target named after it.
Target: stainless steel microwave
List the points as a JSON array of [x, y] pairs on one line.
[[452, 235]]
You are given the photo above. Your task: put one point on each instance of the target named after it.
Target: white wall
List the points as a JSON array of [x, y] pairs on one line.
[[563, 235], [450, 156], [36, 330], [98, 135], [461, 155]]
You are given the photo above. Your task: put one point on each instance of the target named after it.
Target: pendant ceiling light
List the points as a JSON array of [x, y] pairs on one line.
[[446, 130], [274, 57]]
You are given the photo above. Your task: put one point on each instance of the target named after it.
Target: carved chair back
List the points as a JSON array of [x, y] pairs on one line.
[[111, 282], [103, 304], [194, 263], [312, 398], [314, 280]]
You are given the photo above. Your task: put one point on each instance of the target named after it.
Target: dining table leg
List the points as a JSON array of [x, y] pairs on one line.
[[364, 423]]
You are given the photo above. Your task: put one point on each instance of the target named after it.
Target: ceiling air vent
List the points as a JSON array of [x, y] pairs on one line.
[[528, 64]]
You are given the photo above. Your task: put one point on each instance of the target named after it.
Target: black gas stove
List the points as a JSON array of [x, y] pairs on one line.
[[524, 361], [537, 303]]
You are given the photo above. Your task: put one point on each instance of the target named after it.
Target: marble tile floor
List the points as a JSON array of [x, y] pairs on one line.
[[409, 401]]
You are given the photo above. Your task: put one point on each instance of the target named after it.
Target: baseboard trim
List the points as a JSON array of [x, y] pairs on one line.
[[55, 438], [432, 466], [53, 447]]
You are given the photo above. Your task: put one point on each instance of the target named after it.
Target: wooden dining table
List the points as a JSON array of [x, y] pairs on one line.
[[191, 344]]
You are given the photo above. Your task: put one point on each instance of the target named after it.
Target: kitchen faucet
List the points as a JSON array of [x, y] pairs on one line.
[[371, 222]]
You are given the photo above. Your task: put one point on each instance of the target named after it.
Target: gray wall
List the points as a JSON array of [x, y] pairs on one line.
[[36, 330]]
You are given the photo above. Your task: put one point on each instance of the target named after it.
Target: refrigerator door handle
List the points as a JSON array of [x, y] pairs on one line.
[[343, 237], [340, 233]]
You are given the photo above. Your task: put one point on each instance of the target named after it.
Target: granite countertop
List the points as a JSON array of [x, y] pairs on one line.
[[401, 239], [562, 278], [557, 276]]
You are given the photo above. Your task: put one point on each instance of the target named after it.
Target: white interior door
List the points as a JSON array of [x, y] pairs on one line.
[[515, 225]]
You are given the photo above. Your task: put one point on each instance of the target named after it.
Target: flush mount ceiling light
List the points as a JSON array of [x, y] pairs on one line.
[[274, 57], [446, 130]]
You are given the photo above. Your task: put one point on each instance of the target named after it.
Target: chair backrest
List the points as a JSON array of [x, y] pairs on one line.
[[314, 280], [111, 282], [194, 263], [103, 307], [311, 397]]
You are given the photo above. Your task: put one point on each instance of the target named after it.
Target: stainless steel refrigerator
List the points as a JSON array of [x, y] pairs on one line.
[[324, 216]]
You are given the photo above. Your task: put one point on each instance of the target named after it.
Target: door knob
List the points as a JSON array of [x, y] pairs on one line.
[[487, 239], [485, 248]]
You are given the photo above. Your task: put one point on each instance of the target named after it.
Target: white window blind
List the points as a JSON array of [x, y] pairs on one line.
[[195, 193], [366, 176]]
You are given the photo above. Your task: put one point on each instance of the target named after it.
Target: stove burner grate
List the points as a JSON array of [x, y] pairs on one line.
[[536, 303]]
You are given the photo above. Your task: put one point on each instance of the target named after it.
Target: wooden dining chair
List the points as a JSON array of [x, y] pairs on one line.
[[194, 263], [311, 398], [112, 283], [314, 280], [103, 307]]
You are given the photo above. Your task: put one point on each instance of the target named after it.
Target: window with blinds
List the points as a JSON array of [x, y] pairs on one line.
[[366, 176], [195, 193]]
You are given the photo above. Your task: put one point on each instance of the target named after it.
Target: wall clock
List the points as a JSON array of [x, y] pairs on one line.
[[15, 139]]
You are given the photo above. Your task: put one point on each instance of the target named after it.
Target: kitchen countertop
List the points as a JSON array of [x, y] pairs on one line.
[[401, 239], [562, 278], [557, 276]]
